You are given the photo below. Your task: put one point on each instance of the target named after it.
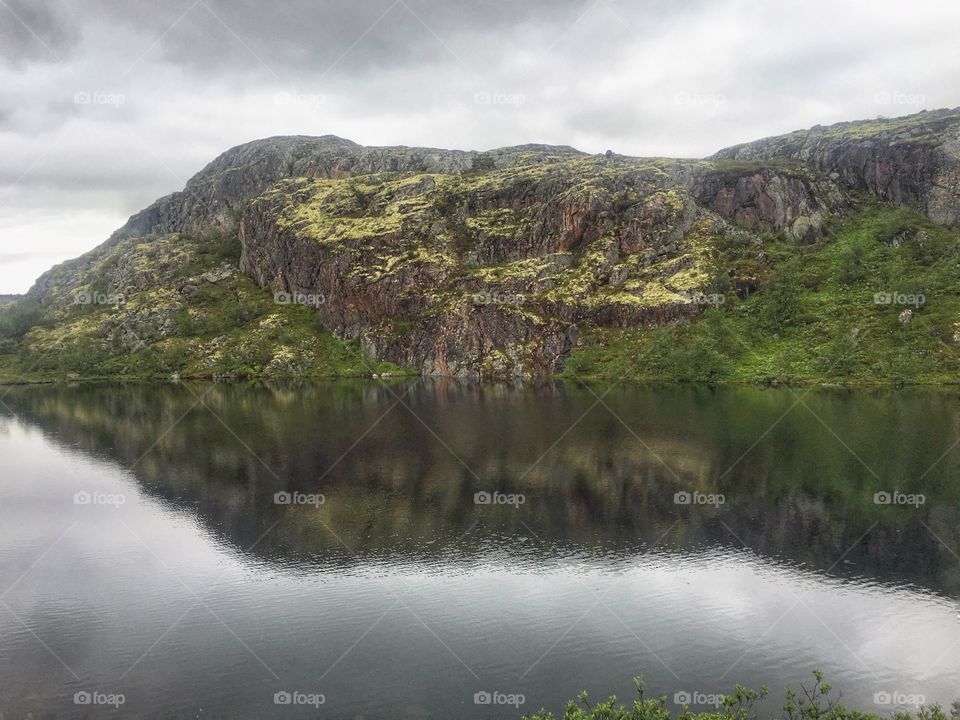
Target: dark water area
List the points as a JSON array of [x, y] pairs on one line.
[[413, 551]]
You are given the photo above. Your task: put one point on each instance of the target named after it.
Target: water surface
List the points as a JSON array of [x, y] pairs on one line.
[[184, 586]]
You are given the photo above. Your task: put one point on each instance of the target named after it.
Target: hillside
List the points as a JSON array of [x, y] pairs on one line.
[[824, 254]]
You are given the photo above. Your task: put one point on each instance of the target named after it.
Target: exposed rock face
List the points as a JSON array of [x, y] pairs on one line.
[[213, 196], [763, 199], [488, 264], [400, 259], [913, 160], [212, 199]]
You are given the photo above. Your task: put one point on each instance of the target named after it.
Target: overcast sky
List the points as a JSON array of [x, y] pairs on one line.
[[106, 105]]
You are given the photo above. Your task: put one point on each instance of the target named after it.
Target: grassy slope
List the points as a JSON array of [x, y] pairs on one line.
[[227, 328], [793, 313], [814, 317]]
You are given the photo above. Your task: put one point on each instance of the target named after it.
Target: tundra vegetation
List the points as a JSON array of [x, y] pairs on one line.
[[814, 702], [827, 255]]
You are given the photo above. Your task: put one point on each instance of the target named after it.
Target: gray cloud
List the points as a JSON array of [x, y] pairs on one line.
[[105, 105], [32, 31]]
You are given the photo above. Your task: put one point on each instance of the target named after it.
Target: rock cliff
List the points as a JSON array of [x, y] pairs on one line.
[[912, 160], [490, 264]]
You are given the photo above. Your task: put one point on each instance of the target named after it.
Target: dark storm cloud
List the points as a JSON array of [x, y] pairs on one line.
[[233, 38]]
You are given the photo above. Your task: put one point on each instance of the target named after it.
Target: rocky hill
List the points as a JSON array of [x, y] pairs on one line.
[[318, 256], [912, 160]]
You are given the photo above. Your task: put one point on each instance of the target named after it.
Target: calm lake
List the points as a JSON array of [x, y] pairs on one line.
[[427, 549]]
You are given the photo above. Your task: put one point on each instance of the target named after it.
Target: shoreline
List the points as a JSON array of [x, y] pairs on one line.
[[773, 383]]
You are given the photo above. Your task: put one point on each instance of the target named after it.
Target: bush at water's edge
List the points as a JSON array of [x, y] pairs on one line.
[[809, 703]]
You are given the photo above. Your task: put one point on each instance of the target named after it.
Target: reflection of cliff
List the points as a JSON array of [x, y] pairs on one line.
[[400, 493]]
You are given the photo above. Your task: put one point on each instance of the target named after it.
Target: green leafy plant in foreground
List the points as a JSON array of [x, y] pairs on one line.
[[813, 703]]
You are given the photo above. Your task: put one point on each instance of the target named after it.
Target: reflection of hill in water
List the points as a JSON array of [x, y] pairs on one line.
[[798, 494]]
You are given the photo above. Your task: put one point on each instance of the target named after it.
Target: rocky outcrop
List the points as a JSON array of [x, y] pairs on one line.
[[212, 197], [490, 263], [491, 273], [470, 340], [913, 160], [762, 199]]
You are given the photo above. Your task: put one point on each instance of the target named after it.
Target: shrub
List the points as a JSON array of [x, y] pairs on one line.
[[812, 703], [851, 269], [780, 302], [17, 319]]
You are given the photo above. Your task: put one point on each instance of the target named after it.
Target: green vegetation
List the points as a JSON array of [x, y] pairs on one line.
[[645, 255], [16, 320], [790, 313], [876, 300], [341, 210], [188, 312], [813, 703]]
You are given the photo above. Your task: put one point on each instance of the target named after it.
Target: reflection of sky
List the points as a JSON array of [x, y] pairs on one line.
[[118, 579]]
